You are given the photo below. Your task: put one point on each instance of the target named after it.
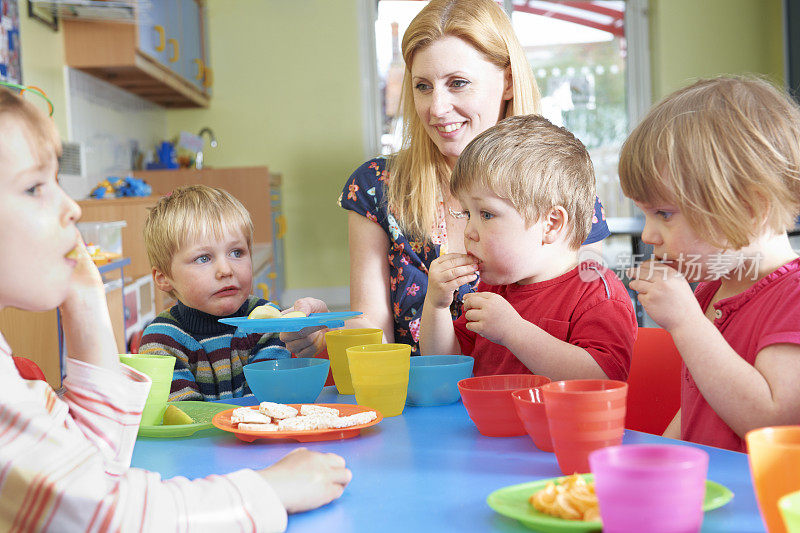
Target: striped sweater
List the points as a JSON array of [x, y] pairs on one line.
[[65, 463], [209, 355]]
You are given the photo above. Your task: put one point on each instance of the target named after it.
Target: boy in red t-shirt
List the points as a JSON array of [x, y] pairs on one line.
[[527, 188]]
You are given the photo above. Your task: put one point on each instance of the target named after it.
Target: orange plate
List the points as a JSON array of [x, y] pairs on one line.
[[222, 420]]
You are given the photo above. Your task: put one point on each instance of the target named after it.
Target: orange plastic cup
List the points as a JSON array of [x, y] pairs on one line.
[[774, 454], [531, 411], [584, 415], [380, 376], [338, 342]]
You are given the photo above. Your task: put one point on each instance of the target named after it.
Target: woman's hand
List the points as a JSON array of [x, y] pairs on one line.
[[307, 342], [446, 274], [490, 316], [305, 480], [665, 294]]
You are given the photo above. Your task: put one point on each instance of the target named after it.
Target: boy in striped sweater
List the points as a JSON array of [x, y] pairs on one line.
[[65, 459], [198, 241]]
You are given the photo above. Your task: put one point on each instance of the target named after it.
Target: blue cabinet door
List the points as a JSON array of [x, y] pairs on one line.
[[151, 20], [192, 64], [174, 51]]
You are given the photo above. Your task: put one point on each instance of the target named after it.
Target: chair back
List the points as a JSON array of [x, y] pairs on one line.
[[654, 382], [28, 369]]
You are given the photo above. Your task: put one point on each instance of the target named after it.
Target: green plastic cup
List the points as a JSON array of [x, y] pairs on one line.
[[159, 368], [790, 510]]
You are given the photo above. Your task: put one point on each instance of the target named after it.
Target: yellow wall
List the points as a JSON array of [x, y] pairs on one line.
[[691, 39], [287, 94], [43, 63]]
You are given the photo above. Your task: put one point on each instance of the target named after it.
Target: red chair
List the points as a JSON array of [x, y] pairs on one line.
[[28, 369], [654, 382]]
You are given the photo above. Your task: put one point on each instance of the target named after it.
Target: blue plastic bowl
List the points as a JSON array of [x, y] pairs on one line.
[[432, 379], [287, 380]]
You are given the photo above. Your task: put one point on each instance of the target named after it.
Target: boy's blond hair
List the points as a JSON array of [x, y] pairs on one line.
[[38, 128], [725, 150], [536, 166], [191, 212]]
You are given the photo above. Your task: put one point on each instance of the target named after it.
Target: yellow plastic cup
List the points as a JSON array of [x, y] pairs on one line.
[[159, 368], [338, 341], [380, 376], [790, 509]]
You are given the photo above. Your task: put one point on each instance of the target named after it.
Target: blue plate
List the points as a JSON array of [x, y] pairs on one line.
[[274, 325]]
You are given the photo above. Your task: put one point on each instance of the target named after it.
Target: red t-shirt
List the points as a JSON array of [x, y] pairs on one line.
[[767, 313], [588, 307]]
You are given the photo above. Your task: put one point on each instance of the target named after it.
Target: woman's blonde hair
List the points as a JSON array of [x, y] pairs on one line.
[[536, 166], [418, 171], [38, 128], [726, 152], [191, 212]]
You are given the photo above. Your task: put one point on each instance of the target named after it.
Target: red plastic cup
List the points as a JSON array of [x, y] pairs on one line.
[[653, 488], [488, 402], [584, 415], [530, 409], [774, 456]]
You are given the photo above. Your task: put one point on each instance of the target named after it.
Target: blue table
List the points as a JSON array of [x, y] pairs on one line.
[[426, 470]]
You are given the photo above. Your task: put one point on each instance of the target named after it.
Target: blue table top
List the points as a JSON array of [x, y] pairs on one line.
[[426, 470]]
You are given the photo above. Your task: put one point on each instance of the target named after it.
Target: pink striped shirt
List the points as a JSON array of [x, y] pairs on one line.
[[65, 463]]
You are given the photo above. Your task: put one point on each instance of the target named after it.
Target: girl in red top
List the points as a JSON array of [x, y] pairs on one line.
[[715, 167]]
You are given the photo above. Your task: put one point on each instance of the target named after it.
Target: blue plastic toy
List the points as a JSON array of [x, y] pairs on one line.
[[115, 187]]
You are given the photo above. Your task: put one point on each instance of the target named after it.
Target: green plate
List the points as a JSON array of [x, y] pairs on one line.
[[201, 412], [513, 502]]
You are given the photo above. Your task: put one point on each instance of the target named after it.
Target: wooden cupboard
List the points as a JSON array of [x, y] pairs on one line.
[[162, 57]]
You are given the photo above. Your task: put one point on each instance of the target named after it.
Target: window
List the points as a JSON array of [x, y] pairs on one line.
[[589, 58]]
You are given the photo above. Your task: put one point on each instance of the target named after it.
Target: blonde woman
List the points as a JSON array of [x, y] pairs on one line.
[[465, 70]]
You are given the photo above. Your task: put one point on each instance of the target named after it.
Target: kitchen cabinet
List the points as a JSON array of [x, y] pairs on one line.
[[162, 57], [276, 275]]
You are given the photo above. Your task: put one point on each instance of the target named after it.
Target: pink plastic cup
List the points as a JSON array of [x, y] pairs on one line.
[[530, 409], [584, 415], [653, 488]]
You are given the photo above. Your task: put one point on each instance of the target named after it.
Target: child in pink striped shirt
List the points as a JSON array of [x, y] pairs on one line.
[[65, 462]]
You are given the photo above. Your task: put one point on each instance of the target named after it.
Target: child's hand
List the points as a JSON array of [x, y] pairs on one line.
[[665, 295], [490, 316], [446, 274], [85, 277], [305, 480], [307, 342], [87, 325]]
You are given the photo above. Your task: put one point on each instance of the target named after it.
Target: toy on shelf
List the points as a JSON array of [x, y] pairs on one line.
[[114, 187]]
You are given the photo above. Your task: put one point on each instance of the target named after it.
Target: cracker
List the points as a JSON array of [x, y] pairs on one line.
[[355, 419], [258, 427], [308, 409], [277, 410], [249, 416]]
